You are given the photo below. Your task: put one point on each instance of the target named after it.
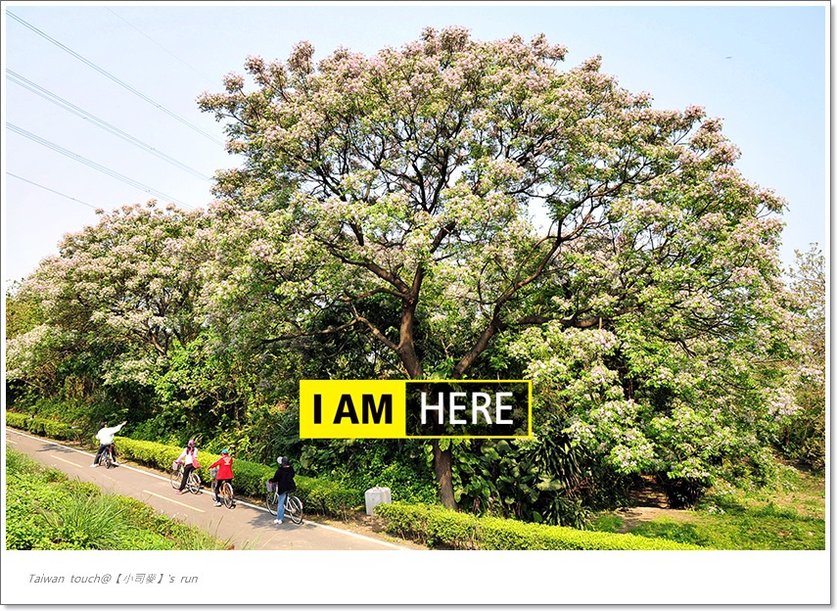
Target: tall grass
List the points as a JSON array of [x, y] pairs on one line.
[[46, 510], [89, 522]]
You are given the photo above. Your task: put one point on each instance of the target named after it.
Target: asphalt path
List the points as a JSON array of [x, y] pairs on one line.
[[246, 526]]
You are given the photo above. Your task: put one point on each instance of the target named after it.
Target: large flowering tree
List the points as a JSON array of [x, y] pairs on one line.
[[113, 302], [453, 196]]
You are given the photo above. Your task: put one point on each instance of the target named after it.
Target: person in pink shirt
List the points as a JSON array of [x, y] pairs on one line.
[[189, 458]]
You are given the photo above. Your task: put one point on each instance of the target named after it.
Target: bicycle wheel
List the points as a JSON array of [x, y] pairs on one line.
[[194, 483], [227, 495], [293, 509], [176, 477], [271, 502]]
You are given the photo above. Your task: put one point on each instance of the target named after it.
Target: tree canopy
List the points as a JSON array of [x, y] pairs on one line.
[[453, 208], [452, 190]]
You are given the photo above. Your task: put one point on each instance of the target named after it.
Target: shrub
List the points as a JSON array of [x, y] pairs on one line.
[[327, 497], [440, 527], [16, 420], [42, 426]]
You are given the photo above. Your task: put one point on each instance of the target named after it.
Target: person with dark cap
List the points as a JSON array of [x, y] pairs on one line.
[[283, 479]]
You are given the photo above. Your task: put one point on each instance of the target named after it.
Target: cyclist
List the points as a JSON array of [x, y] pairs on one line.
[[189, 458], [225, 473], [105, 437], [284, 480]]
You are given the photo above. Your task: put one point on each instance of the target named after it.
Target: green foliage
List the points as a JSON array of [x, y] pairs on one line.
[[788, 514], [606, 523], [16, 419], [85, 416], [440, 527], [327, 497], [546, 479], [42, 426], [45, 510], [363, 464], [800, 434], [152, 453], [650, 310], [91, 521]]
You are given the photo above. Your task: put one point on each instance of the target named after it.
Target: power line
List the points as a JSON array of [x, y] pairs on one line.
[[114, 78], [32, 182], [70, 107], [92, 164], [180, 59]]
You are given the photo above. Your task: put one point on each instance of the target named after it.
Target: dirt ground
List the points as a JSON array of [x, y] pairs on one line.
[[634, 516]]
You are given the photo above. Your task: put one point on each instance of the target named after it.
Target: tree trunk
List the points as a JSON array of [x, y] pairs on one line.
[[442, 467], [406, 349]]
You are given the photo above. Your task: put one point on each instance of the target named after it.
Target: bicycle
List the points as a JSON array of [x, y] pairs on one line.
[[225, 491], [193, 484], [107, 458], [293, 506]]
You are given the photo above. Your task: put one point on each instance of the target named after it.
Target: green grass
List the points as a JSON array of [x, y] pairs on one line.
[[788, 515], [607, 523], [46, 510]]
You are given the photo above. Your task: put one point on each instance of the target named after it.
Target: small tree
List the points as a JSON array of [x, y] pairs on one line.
[[440, 195], [803, 410]]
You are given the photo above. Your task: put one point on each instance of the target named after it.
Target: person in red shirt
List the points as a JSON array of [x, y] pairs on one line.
[[225, 473]]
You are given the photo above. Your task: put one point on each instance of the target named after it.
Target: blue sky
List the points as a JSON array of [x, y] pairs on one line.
[[760, 68]]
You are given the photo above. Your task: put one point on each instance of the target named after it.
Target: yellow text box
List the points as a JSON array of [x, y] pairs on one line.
[[348, 409]]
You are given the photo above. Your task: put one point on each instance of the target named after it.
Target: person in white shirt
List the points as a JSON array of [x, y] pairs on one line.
[[105, 437]]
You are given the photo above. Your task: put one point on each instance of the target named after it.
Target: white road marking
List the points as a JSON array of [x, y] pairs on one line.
[[67, 461], [347, 533], [165, 498]]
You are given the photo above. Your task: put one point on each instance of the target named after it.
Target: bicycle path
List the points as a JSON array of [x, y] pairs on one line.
[[245, 527]]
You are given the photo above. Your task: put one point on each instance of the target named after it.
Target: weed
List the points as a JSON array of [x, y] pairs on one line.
[[88, 522], [45, 510]]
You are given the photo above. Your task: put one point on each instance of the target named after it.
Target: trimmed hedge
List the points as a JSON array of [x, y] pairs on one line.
[[319, 495], [42, 426], [16, 419], [437, 526]]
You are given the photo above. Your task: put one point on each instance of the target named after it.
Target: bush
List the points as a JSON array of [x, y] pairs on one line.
[[85, 416], [440, 527], [327, 497], [400, 465], [42, 426], [16, 420]]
